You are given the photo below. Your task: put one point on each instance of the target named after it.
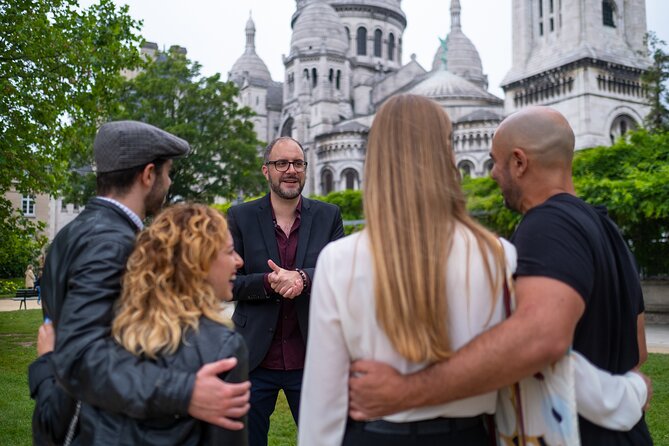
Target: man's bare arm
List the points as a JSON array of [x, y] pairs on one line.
[[538, 333], [641, 338]]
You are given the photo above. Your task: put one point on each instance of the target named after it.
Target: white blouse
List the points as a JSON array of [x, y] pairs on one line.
[[343, 328]]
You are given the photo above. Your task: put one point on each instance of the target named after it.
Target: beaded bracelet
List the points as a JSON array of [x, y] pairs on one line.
[[303, 275]]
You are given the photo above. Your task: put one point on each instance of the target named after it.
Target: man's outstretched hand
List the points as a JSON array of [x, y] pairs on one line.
[[216, 401], [374, 390]]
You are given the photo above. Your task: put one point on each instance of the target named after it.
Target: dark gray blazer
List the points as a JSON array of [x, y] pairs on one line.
[[252, 230]]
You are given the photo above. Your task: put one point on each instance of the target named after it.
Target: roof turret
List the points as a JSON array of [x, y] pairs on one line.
[[458, 54], [250, 64]]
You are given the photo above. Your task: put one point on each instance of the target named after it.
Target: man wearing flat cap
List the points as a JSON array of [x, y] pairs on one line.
[[81, 282]]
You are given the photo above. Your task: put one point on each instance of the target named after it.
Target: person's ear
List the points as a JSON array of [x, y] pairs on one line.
[[265, 171], [148, 175], [519, 162]]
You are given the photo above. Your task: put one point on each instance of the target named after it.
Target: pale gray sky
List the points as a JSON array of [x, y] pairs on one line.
[[213, 30]]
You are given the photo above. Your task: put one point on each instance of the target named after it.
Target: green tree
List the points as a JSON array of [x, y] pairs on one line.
[[59, 72], [655, 79], [630, 178], [18, 248], [171, 94]]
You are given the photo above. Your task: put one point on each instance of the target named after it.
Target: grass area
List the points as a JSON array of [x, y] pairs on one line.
[[18, 331], [657, 367]]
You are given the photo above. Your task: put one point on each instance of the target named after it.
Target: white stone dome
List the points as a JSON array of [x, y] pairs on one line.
[[444, 85], [250, 64], [459, 56], [318, 27]]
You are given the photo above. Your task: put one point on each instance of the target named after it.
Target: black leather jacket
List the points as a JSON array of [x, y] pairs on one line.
[[80, 284], [212, 342]]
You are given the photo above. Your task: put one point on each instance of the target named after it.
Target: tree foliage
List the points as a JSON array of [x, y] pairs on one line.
[[631, 178], [59, 73], [171, 94], [18, 248], [655, 79]]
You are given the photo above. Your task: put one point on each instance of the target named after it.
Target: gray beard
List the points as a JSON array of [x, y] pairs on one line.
[[286, 196]]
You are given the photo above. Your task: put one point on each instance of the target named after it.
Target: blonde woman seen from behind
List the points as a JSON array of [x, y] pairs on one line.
[[416, 284], [182, 268]]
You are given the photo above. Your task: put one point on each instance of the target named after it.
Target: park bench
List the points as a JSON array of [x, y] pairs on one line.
[[23, 295]]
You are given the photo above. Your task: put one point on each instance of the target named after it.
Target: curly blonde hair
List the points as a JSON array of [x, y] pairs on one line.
[[165, 290]]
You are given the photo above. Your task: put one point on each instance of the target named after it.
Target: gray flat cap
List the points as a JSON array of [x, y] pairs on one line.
[[124, 144]]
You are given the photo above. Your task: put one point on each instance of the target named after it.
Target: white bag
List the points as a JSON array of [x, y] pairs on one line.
[[539, 410]]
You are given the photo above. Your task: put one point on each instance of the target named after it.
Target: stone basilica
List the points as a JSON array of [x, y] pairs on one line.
[[583, 57]]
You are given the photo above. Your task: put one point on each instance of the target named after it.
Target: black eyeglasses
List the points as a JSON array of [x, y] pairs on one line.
[[283, 165]]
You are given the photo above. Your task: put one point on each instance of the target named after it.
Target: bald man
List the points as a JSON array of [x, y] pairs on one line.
[[576, 285]]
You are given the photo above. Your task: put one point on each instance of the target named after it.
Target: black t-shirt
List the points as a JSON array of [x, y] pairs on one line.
[[568, 240]]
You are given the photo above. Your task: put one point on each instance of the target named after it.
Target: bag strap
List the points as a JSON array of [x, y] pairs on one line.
[[516, 386]]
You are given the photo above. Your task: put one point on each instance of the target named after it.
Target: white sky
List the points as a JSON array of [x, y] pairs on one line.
[[213, 30]]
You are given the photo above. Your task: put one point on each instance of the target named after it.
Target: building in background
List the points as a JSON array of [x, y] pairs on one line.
[[346, 58], [585, 59]]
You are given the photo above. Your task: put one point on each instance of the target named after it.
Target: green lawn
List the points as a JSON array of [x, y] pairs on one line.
[[18, 330]]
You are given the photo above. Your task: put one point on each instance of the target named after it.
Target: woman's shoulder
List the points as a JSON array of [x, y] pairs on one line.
[[465, 238]]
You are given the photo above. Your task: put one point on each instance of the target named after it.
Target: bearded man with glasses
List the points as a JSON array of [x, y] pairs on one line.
[[279, 237]]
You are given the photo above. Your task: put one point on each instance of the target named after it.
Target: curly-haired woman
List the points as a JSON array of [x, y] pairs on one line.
[[182, 267]]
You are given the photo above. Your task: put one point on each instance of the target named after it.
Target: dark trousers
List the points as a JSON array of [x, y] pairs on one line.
[[439, 432], [265, 386]]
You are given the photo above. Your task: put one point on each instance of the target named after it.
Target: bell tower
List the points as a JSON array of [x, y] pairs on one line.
[[585, 59]]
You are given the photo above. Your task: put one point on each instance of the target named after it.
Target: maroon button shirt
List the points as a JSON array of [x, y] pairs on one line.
[[287, 350]]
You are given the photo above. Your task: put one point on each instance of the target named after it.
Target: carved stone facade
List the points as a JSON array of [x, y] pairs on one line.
[[585, 59], [345, 59]]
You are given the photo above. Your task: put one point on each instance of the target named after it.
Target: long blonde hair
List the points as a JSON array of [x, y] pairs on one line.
[[413, 202], [165, 291]]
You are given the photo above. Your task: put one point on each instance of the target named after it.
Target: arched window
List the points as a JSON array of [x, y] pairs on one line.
[[466, 168], [291, 84], [348, 35], [488, 166], [314, 77], [327, 182], [607, 13], [351, 179], [362, 41], [621, 125], [338, 79], [287, 129], [391, 46], [377, 43], [331, 75]]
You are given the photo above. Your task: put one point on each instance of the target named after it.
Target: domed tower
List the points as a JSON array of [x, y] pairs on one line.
[[374, 31], [458, 54], [256, 88], [249, 65], [316, 92]]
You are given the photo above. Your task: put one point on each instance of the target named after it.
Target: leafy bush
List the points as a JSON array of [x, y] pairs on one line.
[[20, 244], [350, 205], [9, 286], [631, 178]]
